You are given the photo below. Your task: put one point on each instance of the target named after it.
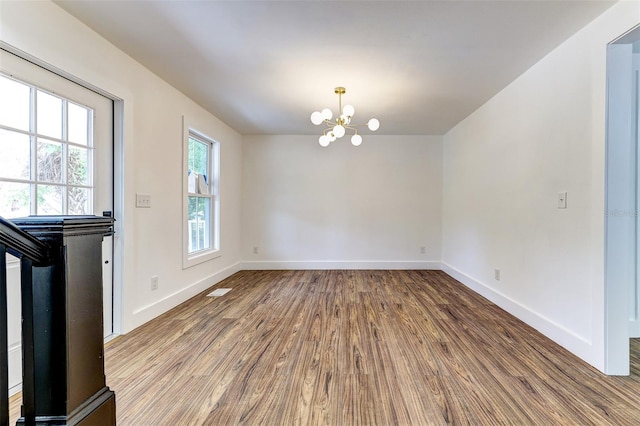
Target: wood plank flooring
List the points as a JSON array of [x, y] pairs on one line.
[[355, 348]]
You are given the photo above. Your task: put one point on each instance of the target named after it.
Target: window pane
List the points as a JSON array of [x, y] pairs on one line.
[[14, 104], [49, 115], [49, 199], [14, 155], [198, 223], [198, 156], [193, 208], [14, 199], [49, 165], [193, 224], [205, 220], [49, 161], [77, 166], [78, 117], [79, 200]]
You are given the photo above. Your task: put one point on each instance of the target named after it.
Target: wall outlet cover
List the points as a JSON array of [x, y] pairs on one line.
[[143, 201]]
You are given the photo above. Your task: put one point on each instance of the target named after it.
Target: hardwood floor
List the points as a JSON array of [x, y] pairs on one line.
[[14, 408], [355, 348]]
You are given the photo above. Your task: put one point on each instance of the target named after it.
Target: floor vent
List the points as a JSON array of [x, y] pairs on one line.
[[219, 292]]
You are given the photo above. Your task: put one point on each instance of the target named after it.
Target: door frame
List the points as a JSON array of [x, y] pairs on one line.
[[118, 176]]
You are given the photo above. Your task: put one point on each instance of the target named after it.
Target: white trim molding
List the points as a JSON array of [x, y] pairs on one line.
[[15, 368], [341, 264], [151, 311], [580, 346]]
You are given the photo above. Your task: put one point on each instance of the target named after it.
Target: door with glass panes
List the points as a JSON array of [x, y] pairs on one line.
[[56, 151]]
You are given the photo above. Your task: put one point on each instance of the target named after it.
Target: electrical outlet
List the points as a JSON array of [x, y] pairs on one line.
[[423, 250], [496, 274], [143, 201], [255, 250], [154, 282]]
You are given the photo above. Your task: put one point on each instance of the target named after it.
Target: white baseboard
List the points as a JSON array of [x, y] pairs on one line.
[[339, 264], [15, 368], [571, 341], [15, 389], [152, 310]]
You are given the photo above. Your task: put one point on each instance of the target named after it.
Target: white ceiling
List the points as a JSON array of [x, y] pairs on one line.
[[263, 66]]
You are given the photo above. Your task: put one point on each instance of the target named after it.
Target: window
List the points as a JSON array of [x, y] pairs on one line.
[[201, 202], [46, 152]]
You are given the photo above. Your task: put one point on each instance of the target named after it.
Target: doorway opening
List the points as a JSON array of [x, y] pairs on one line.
[[622, 202]]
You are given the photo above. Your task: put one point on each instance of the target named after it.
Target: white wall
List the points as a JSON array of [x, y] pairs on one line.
[[372, 206], [14, 324], [152, 151], [503, 168]]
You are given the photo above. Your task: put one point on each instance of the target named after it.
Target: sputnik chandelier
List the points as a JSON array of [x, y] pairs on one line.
[[338, 128]]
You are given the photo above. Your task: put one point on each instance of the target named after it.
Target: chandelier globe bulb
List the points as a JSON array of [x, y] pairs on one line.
[[316, 118], [348, 110]]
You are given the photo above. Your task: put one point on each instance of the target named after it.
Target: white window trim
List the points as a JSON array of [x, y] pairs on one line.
[[189, 260]]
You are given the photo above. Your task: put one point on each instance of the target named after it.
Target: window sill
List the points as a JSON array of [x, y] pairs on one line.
[[197, 258]]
